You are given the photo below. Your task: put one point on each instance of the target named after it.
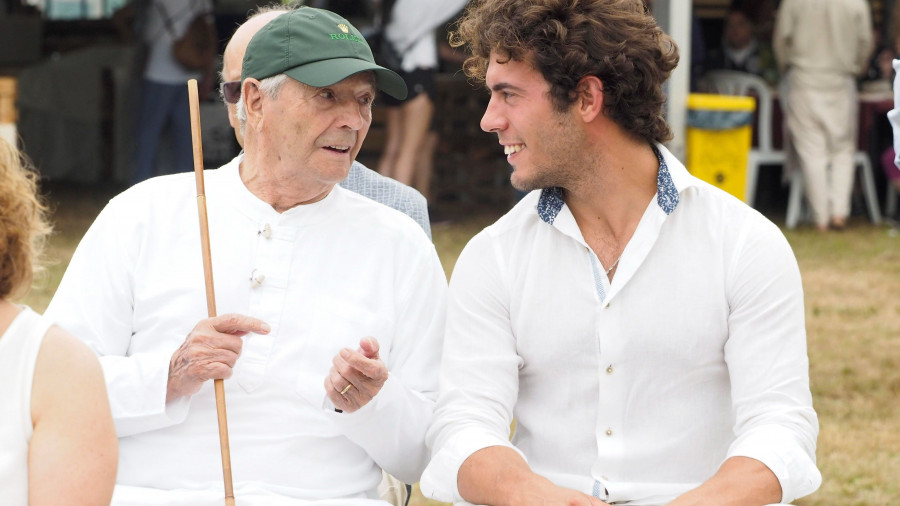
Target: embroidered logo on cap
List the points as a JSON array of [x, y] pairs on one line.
[[344, 28], [345, 36]]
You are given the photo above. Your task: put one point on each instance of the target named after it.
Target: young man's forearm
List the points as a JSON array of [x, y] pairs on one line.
[[740, 481], [498, 476]]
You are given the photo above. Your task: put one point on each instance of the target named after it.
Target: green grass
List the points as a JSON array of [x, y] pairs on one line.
[[852, 288], [851, 282]]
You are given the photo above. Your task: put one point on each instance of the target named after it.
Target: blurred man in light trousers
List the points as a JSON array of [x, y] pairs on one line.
[[821, 47]]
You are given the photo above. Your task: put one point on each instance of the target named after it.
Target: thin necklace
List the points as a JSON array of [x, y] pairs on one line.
[[613, 266]]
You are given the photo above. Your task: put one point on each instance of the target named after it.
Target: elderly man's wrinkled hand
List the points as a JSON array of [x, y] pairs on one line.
[[356, 377], [209, 352]]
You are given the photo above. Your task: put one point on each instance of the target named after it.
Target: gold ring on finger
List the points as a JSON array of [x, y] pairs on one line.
[[346, 388]]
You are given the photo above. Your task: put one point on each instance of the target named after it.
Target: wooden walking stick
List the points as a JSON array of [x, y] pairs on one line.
[[194, 100]]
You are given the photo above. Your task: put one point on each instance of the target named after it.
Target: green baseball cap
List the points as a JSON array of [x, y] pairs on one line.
[[317, 48]]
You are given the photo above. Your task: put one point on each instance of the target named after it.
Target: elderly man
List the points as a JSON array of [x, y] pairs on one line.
[[644, 328], [361, 179], [324, 287]]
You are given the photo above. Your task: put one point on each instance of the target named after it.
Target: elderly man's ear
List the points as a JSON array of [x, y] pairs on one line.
[[253, 99]]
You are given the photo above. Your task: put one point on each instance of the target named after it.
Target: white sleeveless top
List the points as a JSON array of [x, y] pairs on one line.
[[19, 348]]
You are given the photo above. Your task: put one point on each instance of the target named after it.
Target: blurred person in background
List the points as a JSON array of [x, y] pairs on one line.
[[880, 72], [822, 46], [409, 27], [56, 432], [742, 51], [163, 90]]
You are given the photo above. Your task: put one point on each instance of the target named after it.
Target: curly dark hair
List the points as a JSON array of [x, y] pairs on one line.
[[23, 222], [617, 41]]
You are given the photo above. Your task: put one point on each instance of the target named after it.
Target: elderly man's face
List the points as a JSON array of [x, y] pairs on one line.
[[319, 131]]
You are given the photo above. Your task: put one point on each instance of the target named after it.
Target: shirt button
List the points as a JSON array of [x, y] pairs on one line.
[[609, 432], [256, 279], [609, 370], [266, 231], [607, 305]]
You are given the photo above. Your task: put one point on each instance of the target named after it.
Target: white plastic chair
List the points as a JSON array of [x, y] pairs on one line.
[[796, 211], [730, 82]]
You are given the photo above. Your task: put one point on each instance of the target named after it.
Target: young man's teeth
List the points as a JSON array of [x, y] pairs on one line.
[[513, 148]]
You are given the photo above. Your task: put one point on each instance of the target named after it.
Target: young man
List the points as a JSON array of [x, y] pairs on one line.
[[644, 329], [331, 350]]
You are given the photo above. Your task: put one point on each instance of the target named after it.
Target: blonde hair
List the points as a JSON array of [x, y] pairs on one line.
[[23, 222]]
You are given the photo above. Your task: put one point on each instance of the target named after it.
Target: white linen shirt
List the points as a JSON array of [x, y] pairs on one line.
[[636, 390], [322, 275]]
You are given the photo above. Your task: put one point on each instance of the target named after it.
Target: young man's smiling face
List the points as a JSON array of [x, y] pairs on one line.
[[542, 144]]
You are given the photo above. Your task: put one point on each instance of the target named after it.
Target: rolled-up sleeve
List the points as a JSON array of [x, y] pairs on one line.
[[767, 360]]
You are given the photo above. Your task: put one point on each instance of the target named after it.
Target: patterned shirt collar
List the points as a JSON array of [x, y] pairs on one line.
[[551, 200]]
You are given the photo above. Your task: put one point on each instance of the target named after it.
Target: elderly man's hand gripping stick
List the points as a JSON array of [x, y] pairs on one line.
[[209, 352]]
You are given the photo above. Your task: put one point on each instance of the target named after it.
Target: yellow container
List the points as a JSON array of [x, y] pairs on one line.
[[719, 134]]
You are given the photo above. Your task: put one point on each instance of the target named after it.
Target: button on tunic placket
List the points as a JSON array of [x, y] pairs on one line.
[[268, 280]]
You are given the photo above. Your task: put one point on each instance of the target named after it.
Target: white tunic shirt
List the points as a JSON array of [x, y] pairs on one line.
[[322, 276], [635, 390]]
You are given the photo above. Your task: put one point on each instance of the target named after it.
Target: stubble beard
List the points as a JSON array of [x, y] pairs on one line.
[[565, 166], [545, 176]]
